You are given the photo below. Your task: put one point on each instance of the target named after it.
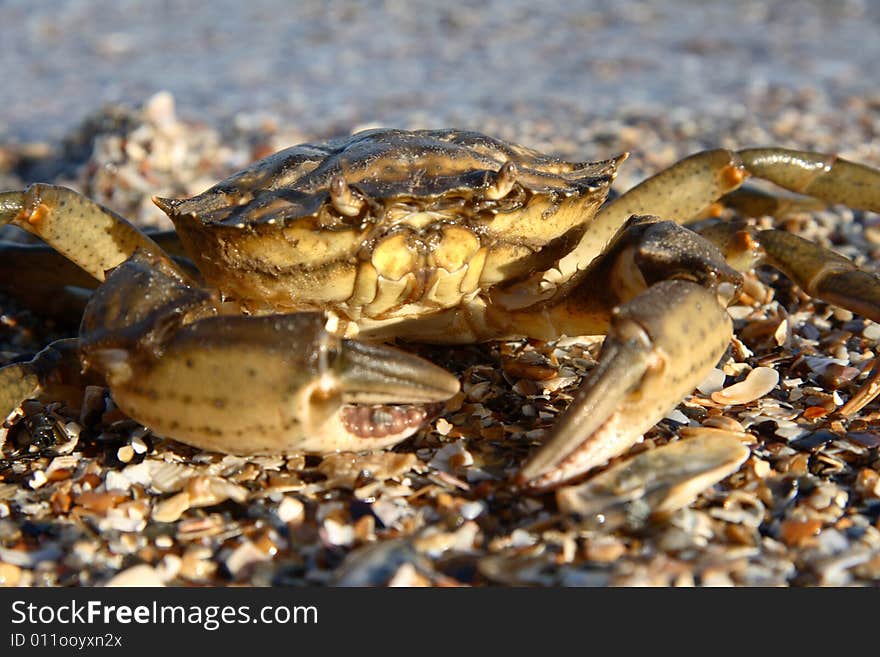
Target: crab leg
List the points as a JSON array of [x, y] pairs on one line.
[[818, 271], [53, 286], [755, 202], [52, 369], [826, 177], [683, 191], [45, 281], [93, 237]]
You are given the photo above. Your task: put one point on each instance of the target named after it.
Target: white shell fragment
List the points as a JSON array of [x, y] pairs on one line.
[[140, 575], [657, 482], [757, 383], [199, 491], [713, 382]]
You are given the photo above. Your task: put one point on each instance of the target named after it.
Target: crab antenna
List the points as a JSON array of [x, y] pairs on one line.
[[343, 199], [503, 182]]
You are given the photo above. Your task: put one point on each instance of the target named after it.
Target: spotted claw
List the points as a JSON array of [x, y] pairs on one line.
[[661, 345]]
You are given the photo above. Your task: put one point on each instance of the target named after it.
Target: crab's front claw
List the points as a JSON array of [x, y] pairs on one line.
[[662, 344], [372, 373], [270, 385], [378, 396]]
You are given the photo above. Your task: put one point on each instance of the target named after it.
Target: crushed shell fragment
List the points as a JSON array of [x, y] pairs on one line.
[[657, 482], [757, 383]]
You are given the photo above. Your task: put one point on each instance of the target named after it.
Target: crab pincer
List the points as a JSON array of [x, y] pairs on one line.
[[247, 385], [659, 348]]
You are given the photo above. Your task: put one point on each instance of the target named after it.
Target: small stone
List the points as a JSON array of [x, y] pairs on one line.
[[10, 574], [868, 483], [604, 550], [871, 331], [140, 575], [530, 365], [243, 556], [170, 509], [291, 510], [169, 567], [813, 440], [116, 481], [196, 564], [99, 502], [761, 468], [164, 542], [337, 533], [442, 427], [836, 375], [125, 453], [39, 479], [677, 416], [138, 445], [798, 533], [713, 382], [408, 576]]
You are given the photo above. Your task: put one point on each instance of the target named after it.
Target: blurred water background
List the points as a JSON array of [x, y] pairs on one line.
[[326, 67]]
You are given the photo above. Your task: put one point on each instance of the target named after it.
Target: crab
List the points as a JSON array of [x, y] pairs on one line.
[[310, 261]]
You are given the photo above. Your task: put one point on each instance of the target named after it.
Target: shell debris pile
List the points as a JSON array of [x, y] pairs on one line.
[[88, 497]]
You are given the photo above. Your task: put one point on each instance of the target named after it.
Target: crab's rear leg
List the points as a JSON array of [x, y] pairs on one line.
[[820, 272], [89, 235], [683, 191], [686, 190], [51, 285], [54, 372]]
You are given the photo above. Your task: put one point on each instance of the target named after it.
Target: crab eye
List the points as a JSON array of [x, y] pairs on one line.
[[346, 202]]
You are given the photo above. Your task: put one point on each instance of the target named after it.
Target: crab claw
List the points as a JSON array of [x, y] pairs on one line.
[[378, 374], [662, 344], [371, 380], [272, 384]]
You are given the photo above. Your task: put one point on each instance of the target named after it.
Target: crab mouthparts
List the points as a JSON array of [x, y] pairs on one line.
[[381, 420]]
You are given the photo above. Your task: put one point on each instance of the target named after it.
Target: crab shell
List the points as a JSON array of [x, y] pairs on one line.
[[386, 223]]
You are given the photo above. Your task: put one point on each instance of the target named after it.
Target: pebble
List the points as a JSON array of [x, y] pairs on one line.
[[243, 556], [797, 533], [291, 510], [713, 382], [140, 575], [10, 574]]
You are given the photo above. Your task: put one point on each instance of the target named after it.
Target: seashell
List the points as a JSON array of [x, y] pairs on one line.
[[713, 382], [757, 383], [140, 575]]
